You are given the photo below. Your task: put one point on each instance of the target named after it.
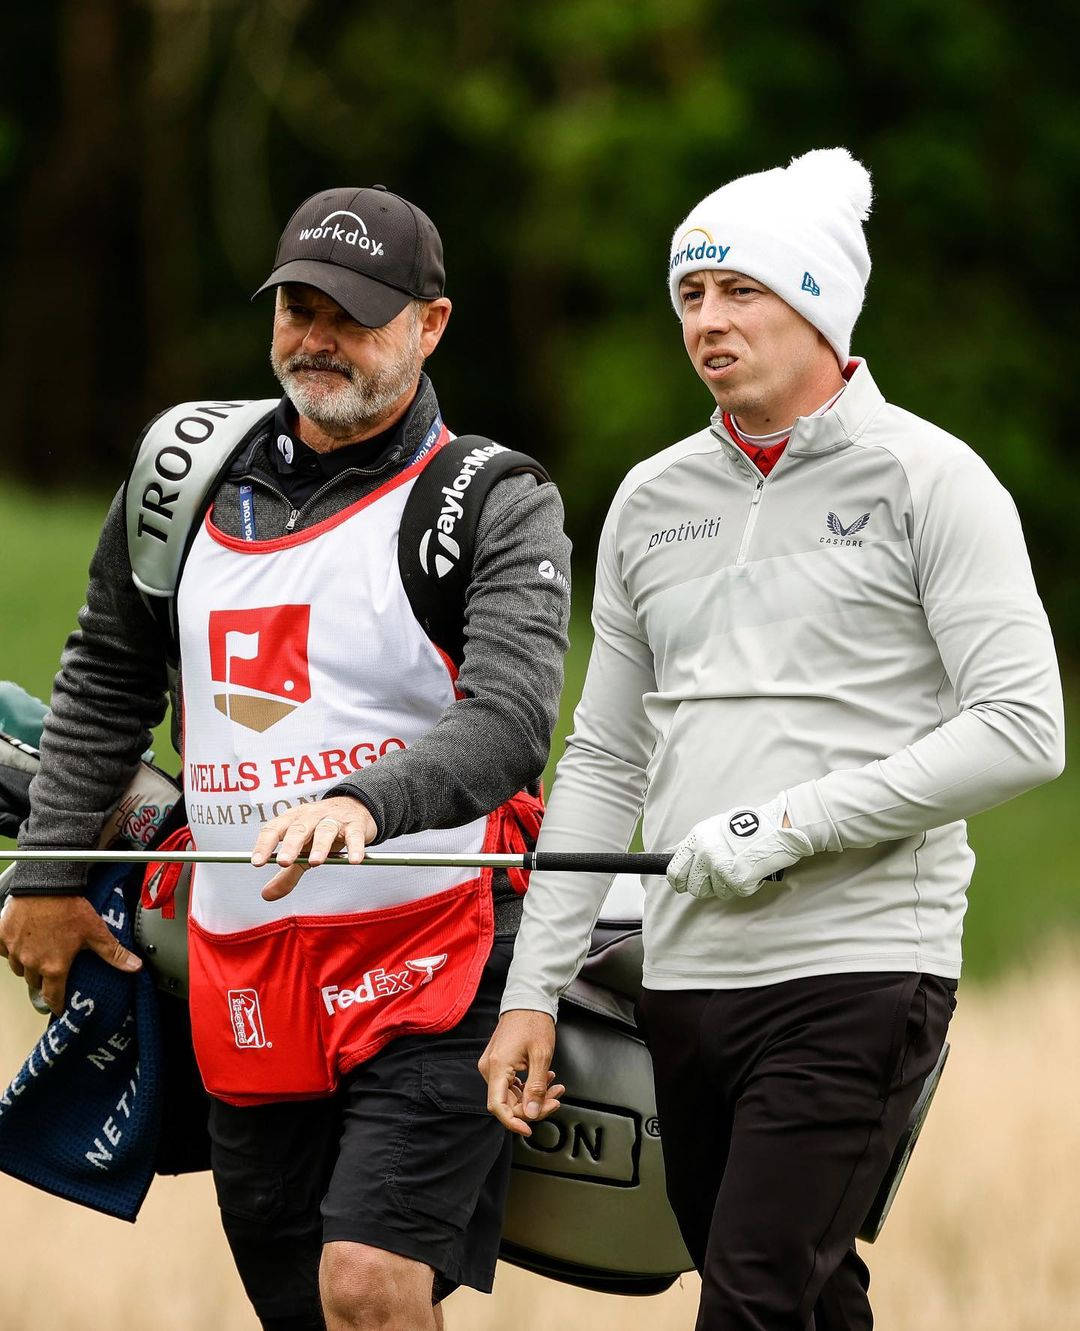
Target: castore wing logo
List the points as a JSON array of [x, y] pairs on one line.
[[838, 529]]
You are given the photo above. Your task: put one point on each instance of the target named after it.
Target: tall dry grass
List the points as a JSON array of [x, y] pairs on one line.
[[983, 1236]]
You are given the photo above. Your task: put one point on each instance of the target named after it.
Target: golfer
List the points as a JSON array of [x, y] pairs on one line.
[[338, 1017], [818, 649]]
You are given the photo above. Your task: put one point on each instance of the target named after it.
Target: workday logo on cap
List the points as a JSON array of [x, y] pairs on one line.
[[344, 230]]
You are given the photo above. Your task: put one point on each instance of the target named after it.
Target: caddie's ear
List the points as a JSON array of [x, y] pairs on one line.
[[434, 315]]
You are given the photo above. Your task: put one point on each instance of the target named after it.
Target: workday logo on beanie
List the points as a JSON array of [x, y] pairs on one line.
[[796, 229]]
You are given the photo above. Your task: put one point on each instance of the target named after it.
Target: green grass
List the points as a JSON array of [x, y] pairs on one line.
[[1025, 886]]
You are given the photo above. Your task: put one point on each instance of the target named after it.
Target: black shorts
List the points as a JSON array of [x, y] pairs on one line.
[[404, 1157]]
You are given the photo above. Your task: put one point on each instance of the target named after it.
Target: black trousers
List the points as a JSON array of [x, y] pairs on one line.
[[780, 1108]]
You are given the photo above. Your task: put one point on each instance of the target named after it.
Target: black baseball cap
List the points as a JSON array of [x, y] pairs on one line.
[[370, 250]]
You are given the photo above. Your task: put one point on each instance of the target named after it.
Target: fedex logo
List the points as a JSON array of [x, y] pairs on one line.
[[260, 657], [381, 983], [375, 984]]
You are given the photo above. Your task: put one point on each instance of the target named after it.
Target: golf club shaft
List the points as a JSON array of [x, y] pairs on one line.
[[545, 861]]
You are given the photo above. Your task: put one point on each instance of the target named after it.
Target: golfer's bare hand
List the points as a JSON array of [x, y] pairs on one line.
[[517, 1068], [41, 936], [315, 830]]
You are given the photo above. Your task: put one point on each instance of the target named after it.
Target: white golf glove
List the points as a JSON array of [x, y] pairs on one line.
[[733, 853]]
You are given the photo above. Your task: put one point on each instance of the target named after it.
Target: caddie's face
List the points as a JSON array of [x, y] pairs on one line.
[[749, 346], [340, 374]]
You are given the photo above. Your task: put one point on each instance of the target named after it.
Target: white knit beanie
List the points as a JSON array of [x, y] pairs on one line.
[[797, 229]]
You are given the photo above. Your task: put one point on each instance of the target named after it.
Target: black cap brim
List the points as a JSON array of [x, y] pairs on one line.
[[370, 303]]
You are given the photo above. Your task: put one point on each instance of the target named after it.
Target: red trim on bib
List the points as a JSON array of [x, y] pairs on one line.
[[243, 547]]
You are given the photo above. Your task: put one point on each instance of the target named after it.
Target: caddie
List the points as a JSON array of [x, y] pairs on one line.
[[818, 649], [332, 694]]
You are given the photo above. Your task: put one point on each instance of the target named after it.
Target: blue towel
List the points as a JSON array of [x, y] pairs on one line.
[[82, 1116]]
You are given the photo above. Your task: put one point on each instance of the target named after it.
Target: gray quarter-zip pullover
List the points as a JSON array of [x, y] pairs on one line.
[[861, 631]]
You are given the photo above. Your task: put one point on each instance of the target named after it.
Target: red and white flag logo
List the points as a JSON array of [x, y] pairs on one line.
[[261, 658], [246, 1018]]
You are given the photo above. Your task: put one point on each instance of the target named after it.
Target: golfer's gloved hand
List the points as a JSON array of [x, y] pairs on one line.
[[732, 854]]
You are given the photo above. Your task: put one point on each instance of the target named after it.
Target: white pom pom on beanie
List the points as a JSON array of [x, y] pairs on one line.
[[796, 229]]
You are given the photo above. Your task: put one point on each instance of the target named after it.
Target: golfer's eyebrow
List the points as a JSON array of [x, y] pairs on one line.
[[721, 279]]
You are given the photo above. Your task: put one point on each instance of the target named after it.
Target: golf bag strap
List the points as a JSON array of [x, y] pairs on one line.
[[437, 540], [179, 461]]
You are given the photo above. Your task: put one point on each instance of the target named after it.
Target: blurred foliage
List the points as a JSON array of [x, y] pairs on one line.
[[150, 152]]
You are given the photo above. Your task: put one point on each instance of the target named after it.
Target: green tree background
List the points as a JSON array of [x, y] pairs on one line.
[[150, 153]]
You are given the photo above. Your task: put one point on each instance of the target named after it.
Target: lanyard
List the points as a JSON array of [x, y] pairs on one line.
[[429, 441], [247, 512]]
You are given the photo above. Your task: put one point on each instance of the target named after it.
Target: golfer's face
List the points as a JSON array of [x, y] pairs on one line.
[[745, 343], [308, 323]]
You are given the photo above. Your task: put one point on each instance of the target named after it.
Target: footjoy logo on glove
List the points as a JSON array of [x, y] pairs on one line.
[[745, 823], [246, 1017]]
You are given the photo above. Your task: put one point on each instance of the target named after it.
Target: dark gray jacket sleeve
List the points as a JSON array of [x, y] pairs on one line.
[[109, 694], [495, 738]]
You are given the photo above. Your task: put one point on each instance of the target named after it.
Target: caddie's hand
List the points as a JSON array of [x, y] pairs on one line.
[[41, 936], [314, 830], [732, 854], [523, 1042]]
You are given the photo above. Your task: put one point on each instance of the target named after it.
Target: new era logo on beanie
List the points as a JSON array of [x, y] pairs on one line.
[[369, 249], [796, 229]]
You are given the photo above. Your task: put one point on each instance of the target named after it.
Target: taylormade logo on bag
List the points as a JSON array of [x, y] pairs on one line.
[[439, 552], [351, 235]]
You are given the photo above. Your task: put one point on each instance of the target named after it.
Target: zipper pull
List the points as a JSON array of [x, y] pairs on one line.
[[292, 519], [757, 491]]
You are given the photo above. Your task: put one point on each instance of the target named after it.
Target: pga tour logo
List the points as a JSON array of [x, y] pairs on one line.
[[350, 235], [381, 983], [246, 1018]]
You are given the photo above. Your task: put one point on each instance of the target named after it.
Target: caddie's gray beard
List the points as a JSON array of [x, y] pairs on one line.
[[361, 399]]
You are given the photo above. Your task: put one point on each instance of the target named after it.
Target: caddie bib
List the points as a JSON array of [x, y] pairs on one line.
[[303, 662]]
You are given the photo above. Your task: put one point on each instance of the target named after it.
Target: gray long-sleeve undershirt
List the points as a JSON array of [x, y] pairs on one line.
[[112, 686]]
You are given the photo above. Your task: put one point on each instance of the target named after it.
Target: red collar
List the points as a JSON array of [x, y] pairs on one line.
[[762, 458]]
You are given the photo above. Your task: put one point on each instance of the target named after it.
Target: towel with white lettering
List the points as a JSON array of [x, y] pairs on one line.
[[81, 1117]]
